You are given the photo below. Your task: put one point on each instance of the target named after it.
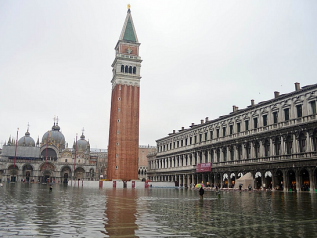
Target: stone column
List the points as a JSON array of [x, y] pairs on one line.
[[294, 144], [271, 148], [308, 142], [312, 180], [283, 139], [252, 154], [236, 152], [221, 155], [208, 156], [285, 181], [193, 179], [244, 147]]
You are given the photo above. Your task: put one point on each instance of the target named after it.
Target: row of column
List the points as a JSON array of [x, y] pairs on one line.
[[254, 149]]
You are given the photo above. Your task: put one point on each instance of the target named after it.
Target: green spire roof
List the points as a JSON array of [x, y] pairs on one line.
[[129, 33]]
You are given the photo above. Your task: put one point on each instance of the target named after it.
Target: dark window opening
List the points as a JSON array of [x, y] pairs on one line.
[[313, 107], [299, 110], [264, 120], [231, 129], [217, 133], [238, 127], [122, 68], [224, 131], [134, 70], [286, 114], [246, 125], [126, 69], [255, 123], [275, 117], [130, 70]]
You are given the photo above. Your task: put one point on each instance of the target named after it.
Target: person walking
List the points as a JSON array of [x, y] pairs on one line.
[[201, 192]]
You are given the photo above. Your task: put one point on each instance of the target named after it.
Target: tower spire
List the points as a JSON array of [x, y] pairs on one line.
[[128, 32]]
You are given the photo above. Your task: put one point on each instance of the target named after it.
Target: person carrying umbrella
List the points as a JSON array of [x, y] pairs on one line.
[[201, 192]]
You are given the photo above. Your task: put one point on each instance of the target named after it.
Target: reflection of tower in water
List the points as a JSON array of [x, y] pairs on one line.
[[120, 213]]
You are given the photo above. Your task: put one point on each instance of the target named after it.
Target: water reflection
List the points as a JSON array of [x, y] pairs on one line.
[[31, 210], [120, 212]]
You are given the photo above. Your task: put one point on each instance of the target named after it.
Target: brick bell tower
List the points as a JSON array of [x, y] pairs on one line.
[[123, 149]]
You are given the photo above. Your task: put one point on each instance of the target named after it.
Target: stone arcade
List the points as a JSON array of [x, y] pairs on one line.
[[274, 140]]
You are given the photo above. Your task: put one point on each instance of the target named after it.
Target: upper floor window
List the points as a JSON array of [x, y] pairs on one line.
[[195, 139], [134, 70], [238, 127], [299, 110], [122, 68], [231, 129], [264, 120], [177, 144], [186, 141], [173, 145], [286, 114], [313, 107], [217, 133], [255, 122], [246, 125], [190, 140], [126, 69], [275, 119], [211, 135], [200, 137], [182, 142], [205, 136]]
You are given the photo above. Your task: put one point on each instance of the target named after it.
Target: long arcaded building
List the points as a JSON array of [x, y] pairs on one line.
[[274, 140]]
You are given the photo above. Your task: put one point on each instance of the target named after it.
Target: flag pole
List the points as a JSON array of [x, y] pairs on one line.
[[16, 145]]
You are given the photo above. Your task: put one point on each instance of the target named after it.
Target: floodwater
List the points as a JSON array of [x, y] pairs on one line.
[[32, 210]]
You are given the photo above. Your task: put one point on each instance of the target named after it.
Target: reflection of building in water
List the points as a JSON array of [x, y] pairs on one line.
[[49, 160], [274, 140], [121, 209]]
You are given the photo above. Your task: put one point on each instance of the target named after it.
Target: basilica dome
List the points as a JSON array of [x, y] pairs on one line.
[[26, 140], [82, 144], [54, 137]]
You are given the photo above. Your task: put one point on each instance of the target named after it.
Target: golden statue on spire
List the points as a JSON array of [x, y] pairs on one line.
[[129, 6]]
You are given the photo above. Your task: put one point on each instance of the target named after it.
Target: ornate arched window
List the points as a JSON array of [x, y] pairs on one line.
[[134, 70], [126, 69], [122, 68], [130, 70]]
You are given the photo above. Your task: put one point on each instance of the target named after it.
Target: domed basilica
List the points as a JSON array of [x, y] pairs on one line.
[[51, 160]]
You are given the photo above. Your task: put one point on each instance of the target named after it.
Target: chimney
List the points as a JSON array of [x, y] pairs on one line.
[[193, 123], [234, 108], [252, 102], [297, 86], [201, 121], [206, 119], [182, 128], [276, 94], [173, 131]]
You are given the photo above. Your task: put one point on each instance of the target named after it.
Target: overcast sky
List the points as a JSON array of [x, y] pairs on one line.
[[199, 59]]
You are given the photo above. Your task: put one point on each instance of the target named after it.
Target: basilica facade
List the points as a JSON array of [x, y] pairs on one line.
[[49, 160], [274, 141]]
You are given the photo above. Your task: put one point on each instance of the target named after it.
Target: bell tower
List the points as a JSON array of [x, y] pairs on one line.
[[123, 148]]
